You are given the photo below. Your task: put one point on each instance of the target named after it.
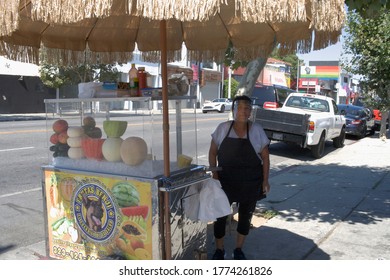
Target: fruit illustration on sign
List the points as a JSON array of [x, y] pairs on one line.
[[126, 194], [131, 211], [66, 187]]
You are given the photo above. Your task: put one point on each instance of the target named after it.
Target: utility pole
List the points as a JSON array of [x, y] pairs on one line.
[[298, 70]]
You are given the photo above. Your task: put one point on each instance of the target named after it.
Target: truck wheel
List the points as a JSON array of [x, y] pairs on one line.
[[318, 150], [338, 142]]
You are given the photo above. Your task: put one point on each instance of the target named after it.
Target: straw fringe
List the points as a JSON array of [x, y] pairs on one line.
[[155, 56], [68, 57], [19, 53], [272, 11], [327, 15], [323, 17], [324, 39], [67, 11], [9, 16]]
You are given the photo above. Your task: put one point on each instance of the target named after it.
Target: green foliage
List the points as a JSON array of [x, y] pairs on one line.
[[368, 46], [56, 76], [233, 87], [367, 8], [289, 58], [229, 58]]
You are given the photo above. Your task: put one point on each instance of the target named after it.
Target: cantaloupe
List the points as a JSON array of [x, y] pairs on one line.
[[75, 131], [112, 149], [75, 153], [74, 142], [133, 150]]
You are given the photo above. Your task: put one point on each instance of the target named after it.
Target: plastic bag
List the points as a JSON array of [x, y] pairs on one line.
[[213, 201], [191, 202], [178, 85], [88, 90]]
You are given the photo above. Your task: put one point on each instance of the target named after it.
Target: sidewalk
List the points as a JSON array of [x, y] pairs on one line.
[[335, 208]]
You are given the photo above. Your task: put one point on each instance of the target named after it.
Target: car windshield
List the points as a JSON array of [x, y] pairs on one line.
[[220, 100], [263, 94], [308, 102], [351, 111]]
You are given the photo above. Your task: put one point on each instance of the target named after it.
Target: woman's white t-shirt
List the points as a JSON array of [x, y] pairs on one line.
[[257, 136]]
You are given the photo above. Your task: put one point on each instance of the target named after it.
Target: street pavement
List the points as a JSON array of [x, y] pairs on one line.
[[333, 208]]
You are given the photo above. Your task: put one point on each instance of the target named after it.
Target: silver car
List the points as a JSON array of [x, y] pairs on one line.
[[219, 105]]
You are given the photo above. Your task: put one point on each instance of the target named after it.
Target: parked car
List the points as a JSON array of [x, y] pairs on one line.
[[307, 120], [377, 113], [219, 105], [359, 120], [269, 96]]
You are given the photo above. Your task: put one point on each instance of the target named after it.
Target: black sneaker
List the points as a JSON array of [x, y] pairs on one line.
[[238, 254], [219, 254]]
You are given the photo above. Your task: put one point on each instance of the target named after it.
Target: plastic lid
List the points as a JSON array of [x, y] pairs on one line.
[[141, 68]]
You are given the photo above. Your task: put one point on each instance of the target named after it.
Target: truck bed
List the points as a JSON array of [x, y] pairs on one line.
[[284, 122]]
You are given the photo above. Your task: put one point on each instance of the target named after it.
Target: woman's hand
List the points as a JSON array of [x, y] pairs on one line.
[[215, 175], [266, 187]]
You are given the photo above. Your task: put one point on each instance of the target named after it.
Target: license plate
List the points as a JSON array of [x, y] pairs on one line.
[[277, 136]]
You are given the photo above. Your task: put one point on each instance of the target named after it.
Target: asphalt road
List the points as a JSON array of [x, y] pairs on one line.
[[24, 150]]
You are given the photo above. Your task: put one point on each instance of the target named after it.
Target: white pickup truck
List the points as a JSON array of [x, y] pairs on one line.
[[308, 120]]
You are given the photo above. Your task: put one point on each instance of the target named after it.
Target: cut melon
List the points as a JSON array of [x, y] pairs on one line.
[[112, 149], [75, 131], [75, 153], [133, 150], [74, 142], [114, 128]]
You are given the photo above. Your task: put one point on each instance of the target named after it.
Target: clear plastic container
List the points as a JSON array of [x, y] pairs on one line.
[[132, 75], [141, 78]]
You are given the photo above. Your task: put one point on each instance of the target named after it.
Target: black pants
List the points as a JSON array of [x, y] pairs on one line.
[[245, 213]]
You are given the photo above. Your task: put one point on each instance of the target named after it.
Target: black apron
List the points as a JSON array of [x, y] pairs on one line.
[[241, 176]]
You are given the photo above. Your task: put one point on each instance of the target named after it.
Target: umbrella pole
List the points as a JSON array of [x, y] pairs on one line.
[[164, 78]]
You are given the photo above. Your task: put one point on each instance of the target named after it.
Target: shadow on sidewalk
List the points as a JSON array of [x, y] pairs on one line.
[[267, 243]]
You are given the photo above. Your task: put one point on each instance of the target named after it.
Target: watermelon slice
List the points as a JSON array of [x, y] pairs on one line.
[[141, 210]]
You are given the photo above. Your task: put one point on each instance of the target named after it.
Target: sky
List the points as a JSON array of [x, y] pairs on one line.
[[331, 53]]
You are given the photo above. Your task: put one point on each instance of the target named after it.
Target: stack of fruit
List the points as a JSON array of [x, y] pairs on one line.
[[92, 143], [59, 138], [76, 134], [90, 128], [111, 147]]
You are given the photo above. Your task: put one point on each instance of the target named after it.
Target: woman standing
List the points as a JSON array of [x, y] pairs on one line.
[[240, 149]]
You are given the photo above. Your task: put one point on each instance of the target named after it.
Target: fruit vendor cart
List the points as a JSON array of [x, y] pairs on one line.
[[105, 195]]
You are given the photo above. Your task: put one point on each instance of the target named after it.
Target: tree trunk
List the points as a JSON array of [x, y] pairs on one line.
[[382, 132], [250, 76]]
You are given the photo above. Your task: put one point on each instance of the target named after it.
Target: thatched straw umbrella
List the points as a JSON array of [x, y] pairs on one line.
[[109, 30]]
